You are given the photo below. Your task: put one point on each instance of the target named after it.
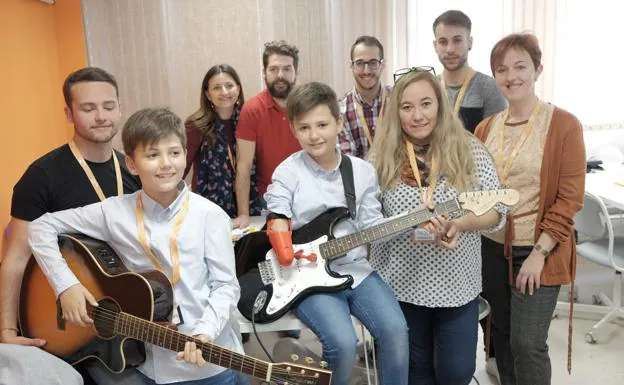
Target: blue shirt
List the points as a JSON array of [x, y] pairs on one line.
[[302, 190], [207, 291]]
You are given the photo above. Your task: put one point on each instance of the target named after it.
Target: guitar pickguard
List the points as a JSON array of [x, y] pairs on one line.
[[300, 277]]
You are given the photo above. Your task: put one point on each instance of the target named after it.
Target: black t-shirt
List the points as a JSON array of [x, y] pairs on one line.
[[471, 117], [56, 182]]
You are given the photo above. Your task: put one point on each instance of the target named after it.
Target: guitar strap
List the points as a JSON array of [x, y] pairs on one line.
[[346, 172]]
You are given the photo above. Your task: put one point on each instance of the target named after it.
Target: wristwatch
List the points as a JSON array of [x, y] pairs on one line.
[[541, 250]]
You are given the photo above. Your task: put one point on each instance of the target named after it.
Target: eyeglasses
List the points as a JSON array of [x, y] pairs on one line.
[[405, 71], [372, 64]]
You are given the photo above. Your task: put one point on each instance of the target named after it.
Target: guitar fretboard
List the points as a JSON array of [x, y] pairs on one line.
[[338, 247], [130, 326]]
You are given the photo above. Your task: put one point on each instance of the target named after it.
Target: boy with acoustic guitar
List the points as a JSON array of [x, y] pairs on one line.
[[164, 226]]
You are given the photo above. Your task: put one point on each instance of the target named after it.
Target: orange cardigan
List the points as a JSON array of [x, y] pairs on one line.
[[562, 189]]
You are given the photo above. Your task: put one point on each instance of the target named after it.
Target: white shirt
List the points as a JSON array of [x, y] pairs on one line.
[[207, 291]]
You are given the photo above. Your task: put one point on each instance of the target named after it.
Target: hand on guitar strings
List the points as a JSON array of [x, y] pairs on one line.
[[445, 232], [74, 304], [191, 353]]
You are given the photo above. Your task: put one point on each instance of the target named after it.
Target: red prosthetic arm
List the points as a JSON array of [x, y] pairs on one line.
[[281, 242]]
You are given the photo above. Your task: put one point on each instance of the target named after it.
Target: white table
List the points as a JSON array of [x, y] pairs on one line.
[[602, 184], [289, 321], [255, 224]]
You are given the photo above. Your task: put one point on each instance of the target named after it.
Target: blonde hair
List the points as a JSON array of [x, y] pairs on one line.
[[450, 143]]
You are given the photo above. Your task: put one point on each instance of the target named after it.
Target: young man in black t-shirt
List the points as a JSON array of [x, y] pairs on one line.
[[82, 172]]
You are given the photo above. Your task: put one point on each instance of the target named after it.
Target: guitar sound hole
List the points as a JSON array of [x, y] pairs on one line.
[[104, 317]]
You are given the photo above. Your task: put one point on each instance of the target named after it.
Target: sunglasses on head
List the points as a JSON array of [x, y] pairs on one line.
[[405, 71]]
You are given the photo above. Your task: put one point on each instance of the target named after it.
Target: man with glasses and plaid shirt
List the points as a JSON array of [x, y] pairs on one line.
[[362, 107], [473, 95]]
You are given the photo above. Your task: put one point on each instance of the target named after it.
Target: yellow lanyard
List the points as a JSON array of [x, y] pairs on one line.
[[87, 170], [173, 245], [462, 91], [412, 159], [362, 119], [504, 165]]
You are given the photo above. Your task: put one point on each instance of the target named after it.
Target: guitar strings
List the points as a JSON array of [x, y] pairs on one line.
[[236, 359], [239, 361], [338, 246]]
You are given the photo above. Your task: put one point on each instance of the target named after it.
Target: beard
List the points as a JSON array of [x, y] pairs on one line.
[[278, 93], [461, 61]]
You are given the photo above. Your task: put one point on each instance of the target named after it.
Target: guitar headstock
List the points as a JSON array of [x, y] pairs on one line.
[[294, 374], [479, 202]]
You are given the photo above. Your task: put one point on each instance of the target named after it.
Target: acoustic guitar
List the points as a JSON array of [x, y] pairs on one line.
[[132, 307]]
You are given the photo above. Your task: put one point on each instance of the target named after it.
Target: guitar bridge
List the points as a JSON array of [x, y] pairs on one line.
[[266, 272]]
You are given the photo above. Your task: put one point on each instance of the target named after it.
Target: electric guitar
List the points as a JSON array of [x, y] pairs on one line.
[[279, 288], [132, 307]]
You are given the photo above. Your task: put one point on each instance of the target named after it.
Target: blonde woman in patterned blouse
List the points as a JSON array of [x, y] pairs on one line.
[[437, 283]]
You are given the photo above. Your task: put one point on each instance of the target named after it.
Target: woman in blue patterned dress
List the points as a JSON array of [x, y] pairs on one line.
[[211, 140]]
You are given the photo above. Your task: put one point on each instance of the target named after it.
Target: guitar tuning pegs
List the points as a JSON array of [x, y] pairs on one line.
[[294, 357], [323, 364], [309, 360]]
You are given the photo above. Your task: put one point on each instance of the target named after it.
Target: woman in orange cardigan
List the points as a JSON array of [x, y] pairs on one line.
[[538, 150]]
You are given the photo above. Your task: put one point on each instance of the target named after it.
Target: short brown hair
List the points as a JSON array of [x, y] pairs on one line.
[[369, 41], [280, 47], [454, 18], [87, 74], [150, 125], [308, 96], [521, 41]]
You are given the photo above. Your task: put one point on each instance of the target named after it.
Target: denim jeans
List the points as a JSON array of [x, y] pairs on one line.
[[443, 343], [226, 377], [373, 303]]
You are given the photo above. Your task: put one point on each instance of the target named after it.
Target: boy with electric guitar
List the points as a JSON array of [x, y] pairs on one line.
[[327, 204], [306, 185], [166, 227]]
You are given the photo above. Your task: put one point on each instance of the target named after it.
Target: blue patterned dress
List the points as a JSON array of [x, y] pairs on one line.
[[216, 175]]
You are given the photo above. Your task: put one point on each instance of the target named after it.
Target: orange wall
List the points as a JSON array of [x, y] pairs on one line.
[[40, 45]]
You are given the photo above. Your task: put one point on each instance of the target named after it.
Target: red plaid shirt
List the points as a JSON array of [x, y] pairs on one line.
[[352, 138]]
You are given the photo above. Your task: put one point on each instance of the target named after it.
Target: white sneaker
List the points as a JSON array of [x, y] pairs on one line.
[[492, 369]]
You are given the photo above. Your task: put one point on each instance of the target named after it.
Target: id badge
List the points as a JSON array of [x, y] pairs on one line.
[[422, 236]]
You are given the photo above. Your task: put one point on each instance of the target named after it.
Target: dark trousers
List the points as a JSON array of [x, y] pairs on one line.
[[519, 322], [490, 351], [443, 343]]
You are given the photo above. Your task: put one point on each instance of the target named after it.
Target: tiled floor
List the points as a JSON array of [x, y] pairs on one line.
[[601, 363]]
